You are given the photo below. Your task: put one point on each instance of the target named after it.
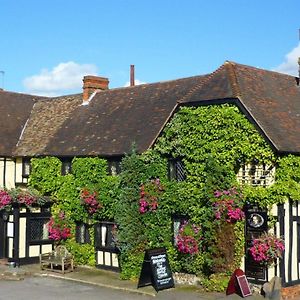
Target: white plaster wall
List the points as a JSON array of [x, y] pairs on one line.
[[9, 167], [1, 173], [10, 174], [19, 170], [22, 238], [10, 247], [115, 262], [107, 260], [286, 237], [34, 251], [46, 248], [100, 258], [294, 253]]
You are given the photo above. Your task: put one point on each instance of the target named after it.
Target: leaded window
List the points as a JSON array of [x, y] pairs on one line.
[[26, 167], [178, 221], [66, 166], [38, 229], [176, 170], [82, 233], [105, 235], [256, 174], [114, 167]]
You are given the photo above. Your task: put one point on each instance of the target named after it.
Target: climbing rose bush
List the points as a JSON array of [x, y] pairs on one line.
[[58, 227], [188, 238], [149, 195], [267, 249], [228, 205], [90, 201]]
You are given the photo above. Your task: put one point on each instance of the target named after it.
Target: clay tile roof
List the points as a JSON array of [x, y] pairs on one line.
[[45, 119], [14, 111], [114, 119], [271, 99]]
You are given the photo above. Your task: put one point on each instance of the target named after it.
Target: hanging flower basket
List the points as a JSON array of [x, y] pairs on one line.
[[28, 197], [267, 249]]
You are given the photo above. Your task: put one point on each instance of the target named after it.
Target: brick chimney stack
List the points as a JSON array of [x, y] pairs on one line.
[[92, 84]]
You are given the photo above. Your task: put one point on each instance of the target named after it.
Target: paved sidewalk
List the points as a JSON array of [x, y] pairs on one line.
[[109, 279]]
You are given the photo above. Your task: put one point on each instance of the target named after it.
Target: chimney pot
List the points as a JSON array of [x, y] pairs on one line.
[[132, 83], [92, 84]]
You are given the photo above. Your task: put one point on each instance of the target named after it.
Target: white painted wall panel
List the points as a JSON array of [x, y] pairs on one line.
[[22, 238]]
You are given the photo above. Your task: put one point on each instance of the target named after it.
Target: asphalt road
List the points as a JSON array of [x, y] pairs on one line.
[[46, 288]]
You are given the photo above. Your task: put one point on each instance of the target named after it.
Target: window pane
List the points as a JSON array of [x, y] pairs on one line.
[[114, 167], [256, 175], [26, 167], [82, 234], [104, 237], [176, 170], [180, 170], [38, 229]]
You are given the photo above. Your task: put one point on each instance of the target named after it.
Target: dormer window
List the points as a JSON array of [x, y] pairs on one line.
[[256, 174], [114, 167], [176, 170], [26, 167], [66, 167]]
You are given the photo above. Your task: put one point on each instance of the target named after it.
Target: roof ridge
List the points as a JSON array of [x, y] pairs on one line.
[[230, 68], [201, 84]]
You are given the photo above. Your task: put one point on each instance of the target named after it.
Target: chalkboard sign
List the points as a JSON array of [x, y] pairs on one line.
[[156, 270]]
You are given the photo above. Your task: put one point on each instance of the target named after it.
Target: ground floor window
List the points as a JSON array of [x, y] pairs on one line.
[[38, 229], [178, 221], [105, 235], [82, 234]]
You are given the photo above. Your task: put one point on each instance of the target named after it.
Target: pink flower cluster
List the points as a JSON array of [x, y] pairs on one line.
[[188, 238], [267, 249], [90, 201], [5, 199], [58, 228], [26, 199], [149, 194], [228, 205]]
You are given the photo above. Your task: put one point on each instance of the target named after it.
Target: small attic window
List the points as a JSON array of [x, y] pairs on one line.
[[66, 166], [26, 167], [114, 167], [256, 174]]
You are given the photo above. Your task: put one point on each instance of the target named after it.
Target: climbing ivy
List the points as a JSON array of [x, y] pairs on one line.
[[212, 141], [87, 173], [45, 174]]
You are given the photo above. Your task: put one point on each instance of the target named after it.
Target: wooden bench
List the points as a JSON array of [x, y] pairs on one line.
[[59, 260]]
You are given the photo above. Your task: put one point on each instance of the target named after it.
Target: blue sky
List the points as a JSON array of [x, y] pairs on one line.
[[47, 46]]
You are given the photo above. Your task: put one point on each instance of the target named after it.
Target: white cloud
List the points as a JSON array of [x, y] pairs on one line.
[[61, 79], [290, 65], [136, 82]]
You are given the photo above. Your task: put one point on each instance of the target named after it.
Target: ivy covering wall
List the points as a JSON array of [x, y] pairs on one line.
[[212, 141]]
